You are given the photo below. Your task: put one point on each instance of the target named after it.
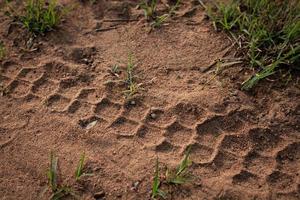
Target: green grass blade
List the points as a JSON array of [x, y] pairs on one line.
[[52, 172], [156, 182], [79, 169], [184, 164]]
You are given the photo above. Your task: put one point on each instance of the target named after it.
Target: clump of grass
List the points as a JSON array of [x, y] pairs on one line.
[[180, 174], [79, 170], [52, 172], [150, 10], [41, 16], [132, 86], [58, 192], [268, 30], [129, 70], [2, 50], [156, 192], [128, 77]]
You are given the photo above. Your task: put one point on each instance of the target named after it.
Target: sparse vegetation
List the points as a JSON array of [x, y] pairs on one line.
[[178, 176], [173, 100], [41, 16], [79, 170], [156, 192], [149, 8], [132, 86], [58, 192], [150, 11], [52, 173], [268, 33]]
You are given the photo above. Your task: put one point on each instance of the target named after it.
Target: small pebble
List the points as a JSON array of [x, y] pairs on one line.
[[132, 102], [85, 60], [153, 115]]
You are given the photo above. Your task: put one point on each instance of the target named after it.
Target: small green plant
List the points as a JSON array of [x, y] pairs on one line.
[[41, 16], [129, 70], [79, 169], [149, 8], [132, 86], [58, 192], [268, 31], [150, 11], [180, 174], [159, 20], [156, 192], [52, 172], [2, 50], [115, 70]]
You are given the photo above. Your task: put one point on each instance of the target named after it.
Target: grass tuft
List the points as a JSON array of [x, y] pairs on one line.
[[58, 191], [41, 16], [180, 175], [132, 86], [79, 169], [156, 192], [52, 172], [150, 10], [268, 30]]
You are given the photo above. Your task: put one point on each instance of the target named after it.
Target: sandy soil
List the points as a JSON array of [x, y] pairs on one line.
[[244, 145]]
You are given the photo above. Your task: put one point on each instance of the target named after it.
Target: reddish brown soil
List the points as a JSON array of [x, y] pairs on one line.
[[244, 145]]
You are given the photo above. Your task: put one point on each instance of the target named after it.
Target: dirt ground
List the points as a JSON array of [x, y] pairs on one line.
[[245, 145]]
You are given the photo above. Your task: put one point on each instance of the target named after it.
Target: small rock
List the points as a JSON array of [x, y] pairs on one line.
[[153, 115], [132, 102], [91, 125], [85, 60]]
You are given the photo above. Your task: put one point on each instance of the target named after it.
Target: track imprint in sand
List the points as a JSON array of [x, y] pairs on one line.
[[222, 145], [57, 102], [30, 74], [64, 97], [44, 87], [108, 109], [18, 88]]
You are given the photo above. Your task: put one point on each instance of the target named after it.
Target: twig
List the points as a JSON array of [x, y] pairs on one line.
[[105, 29]]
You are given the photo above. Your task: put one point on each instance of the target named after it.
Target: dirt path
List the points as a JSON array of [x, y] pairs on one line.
[[244, 146]]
